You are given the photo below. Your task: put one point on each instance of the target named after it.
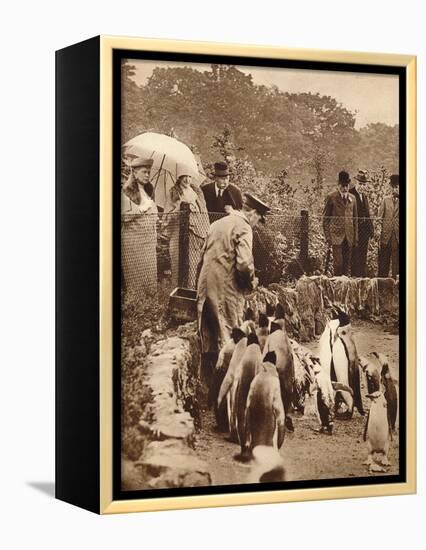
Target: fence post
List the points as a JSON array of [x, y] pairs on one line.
[[183, 245], [304, 238]]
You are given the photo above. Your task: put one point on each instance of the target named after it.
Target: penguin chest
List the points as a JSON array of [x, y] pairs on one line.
[[341, 362], [378, 427], [341, 369], [263, 425]]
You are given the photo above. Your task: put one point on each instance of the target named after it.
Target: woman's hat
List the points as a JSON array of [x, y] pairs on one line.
[[140, 161], [183, 170]]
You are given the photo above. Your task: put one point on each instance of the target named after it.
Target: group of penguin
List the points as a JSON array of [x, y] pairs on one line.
[[262, 376]]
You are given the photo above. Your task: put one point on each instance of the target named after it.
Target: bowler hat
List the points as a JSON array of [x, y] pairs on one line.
[[394, 180], [256, 204], [140, 161], [221, 169], [362, 176], [344, 178]]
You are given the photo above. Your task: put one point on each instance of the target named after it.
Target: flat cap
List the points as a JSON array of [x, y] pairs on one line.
[[139, 161], [362, 176]]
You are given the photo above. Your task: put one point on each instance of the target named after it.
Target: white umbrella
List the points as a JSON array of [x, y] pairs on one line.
[[169, 156]]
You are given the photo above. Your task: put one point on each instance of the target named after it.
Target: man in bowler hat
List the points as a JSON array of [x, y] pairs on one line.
[[340, 224], [365, 225], [220, 193], [389, 239]]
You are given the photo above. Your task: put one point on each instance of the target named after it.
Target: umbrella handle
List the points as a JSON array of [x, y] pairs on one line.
[[159, 170]]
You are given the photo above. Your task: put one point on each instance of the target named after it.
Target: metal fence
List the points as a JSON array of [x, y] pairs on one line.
[[163, 251]]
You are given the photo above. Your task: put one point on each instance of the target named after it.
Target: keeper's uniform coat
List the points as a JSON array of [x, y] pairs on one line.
[[227, 273]]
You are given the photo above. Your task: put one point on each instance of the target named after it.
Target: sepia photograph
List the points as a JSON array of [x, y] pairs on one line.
[[259, 279]]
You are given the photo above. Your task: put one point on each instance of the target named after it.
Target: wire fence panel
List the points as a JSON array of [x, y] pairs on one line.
[[163, 251]]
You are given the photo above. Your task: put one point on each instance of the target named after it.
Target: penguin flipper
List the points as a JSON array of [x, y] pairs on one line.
[[392, 410], [224, 388], [366, 426], [356, 386], [247, 426], [279, 418]]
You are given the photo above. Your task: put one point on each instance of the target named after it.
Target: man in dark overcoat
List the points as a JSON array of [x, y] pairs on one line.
[[220, 193], [340, 224], [365, 225], [389, 239]]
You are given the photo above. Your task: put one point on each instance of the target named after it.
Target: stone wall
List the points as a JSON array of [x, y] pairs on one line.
[[167, 424], [308, 304]]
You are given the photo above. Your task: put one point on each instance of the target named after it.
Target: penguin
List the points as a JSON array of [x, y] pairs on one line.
[[279, 342], [264, 417], [325, 397], [247, 369], [268, 466], [225, 390], [247, 327], [280, 316], [339, 357], [390, 392], [249, 315], [346, 337], [219, 374], [262, 330], [377, 433], [269, 309], [372, 374]]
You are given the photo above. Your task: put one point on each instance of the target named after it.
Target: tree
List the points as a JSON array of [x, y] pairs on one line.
[[131, 105]]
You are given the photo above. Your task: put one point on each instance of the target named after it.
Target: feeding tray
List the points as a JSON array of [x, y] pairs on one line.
[[183, 304]]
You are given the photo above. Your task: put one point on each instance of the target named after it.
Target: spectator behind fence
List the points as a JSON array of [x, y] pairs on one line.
[[138, 230], [220, 194], [184, 191], [340, 224], [389, 239], [365, 225]]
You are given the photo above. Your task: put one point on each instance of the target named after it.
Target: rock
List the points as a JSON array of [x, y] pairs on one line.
[[171, 464], [307, 306], [131, 477], [166, 458], [310, 305]]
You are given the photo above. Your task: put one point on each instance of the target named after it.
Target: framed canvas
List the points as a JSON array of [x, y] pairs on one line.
[[235, 274]]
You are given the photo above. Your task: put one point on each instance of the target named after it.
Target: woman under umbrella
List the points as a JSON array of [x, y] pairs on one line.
[[185, 191]]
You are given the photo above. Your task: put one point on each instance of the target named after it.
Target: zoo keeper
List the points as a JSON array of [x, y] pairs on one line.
[[227, 274]]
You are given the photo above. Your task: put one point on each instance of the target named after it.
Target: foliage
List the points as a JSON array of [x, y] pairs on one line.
[[141, 312], [285, 147]]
